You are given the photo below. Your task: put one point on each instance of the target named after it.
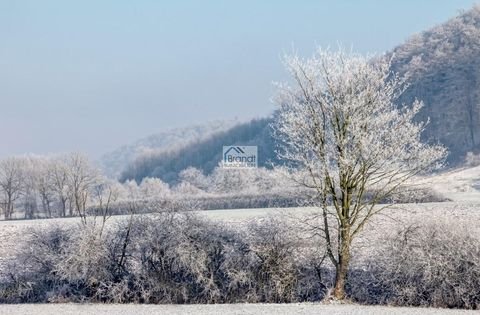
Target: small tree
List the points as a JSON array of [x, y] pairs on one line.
[[31, 177], [154, 188], [194, 177], [11, 183], [345, 138], [59, 177], [81, 179], [105, 194], [45, 185]]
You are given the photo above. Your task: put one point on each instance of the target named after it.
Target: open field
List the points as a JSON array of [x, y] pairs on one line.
[[460, 185], [221, 309]]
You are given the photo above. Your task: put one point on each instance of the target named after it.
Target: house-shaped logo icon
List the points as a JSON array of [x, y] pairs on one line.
[[239, 156]]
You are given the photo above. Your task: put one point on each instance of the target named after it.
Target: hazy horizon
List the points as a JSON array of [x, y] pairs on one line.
[[90, 76]]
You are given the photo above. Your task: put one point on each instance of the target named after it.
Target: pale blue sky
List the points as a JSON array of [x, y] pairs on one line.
[[92, 75]]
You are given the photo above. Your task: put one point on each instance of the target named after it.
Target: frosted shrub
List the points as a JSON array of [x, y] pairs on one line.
[[32, 274], [180, 258], [183, 258], [273, 243], [167, 258], [434, 264], [85, 264], [59, 265]]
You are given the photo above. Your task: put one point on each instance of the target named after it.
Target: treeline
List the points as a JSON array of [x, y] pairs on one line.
[[205, 155], [56, 186], [70, 185]]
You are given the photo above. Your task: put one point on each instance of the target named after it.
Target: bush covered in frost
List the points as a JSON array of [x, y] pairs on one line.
[[176, 257]]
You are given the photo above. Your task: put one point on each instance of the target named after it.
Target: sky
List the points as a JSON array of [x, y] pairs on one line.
[[92, 75]]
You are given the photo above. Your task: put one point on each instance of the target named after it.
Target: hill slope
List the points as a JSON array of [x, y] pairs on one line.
[[114, 162], [444, 68], [205, 154]]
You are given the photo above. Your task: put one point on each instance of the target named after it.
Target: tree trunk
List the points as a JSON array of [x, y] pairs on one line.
[[343, 264], [8, 213], [70, 209], [64, 207]]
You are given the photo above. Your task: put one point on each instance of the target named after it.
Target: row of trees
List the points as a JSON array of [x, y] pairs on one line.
[[56, 186], [69, 185]]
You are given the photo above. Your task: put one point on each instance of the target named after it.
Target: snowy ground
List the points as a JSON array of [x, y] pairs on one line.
[[221, 309], [461, 185]]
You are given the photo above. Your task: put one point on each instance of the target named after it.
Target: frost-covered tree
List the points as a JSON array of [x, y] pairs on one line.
[[231, 180], [58, 177], [346, 139], [81, 180], [194, 177], [105, 194], [154, 188], [45, 185], [11, 183], [31, 178]]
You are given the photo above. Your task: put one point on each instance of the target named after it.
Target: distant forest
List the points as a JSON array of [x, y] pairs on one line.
[[205, 155]]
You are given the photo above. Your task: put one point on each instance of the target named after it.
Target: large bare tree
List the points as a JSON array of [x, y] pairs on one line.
[[345, 138]]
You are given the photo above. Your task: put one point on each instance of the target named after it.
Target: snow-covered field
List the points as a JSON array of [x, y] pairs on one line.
[[221, 309], [461, 185]]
